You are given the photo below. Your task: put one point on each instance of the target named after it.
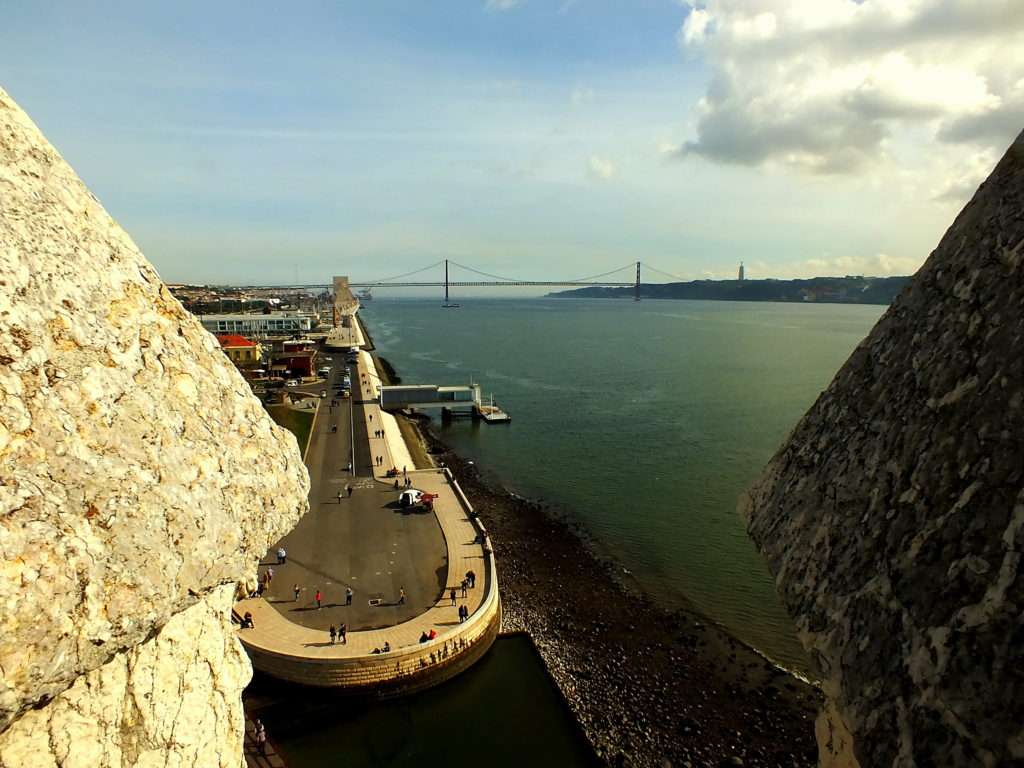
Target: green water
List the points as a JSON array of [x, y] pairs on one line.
[[503, 711], [645, 421]]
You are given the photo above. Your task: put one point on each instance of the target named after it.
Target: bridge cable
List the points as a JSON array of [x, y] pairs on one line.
[[407, 274], [663, 272], [629, 266], [519, 280]]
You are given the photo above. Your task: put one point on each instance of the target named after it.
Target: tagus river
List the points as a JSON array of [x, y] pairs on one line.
[[643, 421]]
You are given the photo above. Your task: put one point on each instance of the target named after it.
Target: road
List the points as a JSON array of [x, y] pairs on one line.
[[365, 542]]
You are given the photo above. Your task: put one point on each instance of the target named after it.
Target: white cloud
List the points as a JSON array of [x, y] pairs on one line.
[[502, 5], [600, 168], [834, 86]]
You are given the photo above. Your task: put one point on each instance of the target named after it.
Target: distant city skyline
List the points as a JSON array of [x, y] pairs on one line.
[[254, 143]]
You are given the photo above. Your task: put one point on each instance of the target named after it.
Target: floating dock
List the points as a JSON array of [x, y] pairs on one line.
[[455, 402]]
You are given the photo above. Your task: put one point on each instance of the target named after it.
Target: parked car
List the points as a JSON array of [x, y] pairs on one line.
[[292, 383]]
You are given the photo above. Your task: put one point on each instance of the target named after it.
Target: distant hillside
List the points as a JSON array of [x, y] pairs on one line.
[[834, 290]]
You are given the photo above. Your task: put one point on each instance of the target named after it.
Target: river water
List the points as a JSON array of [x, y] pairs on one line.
[[643, 421]]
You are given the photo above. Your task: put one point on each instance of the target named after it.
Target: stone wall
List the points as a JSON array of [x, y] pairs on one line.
[[171, 701], [893, 518], [139, 479]]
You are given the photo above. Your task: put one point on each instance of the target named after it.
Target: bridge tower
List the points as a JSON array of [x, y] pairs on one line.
[[636, 286]]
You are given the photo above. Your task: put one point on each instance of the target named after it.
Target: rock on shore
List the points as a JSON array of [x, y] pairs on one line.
[[893, 518], [645, 685], [139, 478]]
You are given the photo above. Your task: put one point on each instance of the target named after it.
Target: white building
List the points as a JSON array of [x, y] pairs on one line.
[[274, 323]]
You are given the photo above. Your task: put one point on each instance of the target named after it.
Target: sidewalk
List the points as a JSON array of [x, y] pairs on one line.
[[392, 447]]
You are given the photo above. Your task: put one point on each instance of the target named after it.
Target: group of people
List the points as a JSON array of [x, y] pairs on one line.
[[378, 433], [341, 633], [426, 637]]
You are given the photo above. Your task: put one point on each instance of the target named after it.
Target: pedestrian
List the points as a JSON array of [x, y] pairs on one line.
[[404, 473], [247, 621], [463, 610], [261, 738], [465, 585], [472, 579], [348, 595], [452, 596], [282, 556], [318, 597], [343, 633], [340, 497], [296, 590], [334, 633], [401, 595], [348, 489], [371, 417], [270, 575], [349, 467]]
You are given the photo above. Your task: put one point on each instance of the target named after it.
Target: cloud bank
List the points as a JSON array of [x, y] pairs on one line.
[[833, 86]]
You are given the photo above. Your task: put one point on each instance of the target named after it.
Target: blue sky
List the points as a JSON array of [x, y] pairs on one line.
[[253, 142]]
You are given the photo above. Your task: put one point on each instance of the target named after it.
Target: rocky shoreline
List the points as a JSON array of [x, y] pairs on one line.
[[648, 687]]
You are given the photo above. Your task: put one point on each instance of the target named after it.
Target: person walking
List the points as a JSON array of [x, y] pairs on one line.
[[318, 597], [404, 472], [270, 575], [452, 596], [282, 556], [340, 497], [296, 590], [401, 595], [348, 595], [465, 585], [348, 490], [261, 738], [343, 633], [371, 417], [472, 579], [334, 633]]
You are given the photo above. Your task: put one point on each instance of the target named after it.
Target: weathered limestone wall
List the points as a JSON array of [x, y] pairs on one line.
[[893, 518], [139, 481], [171, 701]]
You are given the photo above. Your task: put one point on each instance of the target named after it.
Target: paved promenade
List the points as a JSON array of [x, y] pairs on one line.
[[460, 548]]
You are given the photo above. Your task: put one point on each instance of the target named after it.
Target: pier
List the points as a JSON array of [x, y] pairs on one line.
[[453, 401], [400, 564]]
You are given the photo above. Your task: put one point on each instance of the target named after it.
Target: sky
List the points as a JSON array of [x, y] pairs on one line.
[[287, 142]]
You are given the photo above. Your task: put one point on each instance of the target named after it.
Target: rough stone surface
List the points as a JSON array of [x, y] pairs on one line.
[[893, 518], [172, 701], [137, 472]]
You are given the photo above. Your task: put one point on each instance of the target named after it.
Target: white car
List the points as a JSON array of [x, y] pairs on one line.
[[292, 383]]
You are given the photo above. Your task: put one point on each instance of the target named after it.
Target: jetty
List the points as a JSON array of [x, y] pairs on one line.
[[392, 575], [461, 401]]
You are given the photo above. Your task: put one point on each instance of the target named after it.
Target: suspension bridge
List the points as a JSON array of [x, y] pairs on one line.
[[479, 279]]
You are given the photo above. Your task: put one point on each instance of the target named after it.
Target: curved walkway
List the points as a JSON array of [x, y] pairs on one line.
[[300, 654]]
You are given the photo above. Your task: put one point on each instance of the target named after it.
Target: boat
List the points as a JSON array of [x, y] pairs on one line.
[[365, 295]]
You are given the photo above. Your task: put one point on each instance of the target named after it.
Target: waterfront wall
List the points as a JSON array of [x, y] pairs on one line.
[[404, 669]]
